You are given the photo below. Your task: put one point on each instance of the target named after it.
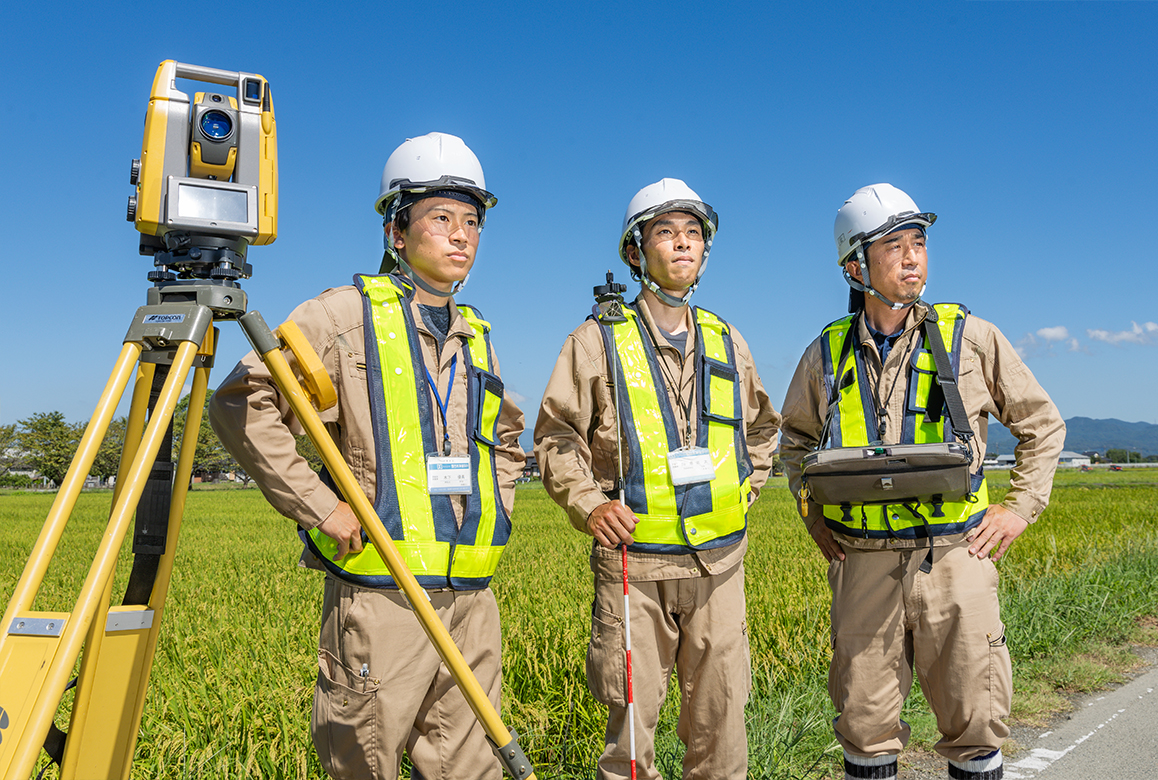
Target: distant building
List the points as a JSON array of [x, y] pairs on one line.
[[530, 468], [1072, 460]]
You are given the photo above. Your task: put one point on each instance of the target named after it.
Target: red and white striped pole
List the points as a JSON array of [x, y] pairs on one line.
[[627, 644]]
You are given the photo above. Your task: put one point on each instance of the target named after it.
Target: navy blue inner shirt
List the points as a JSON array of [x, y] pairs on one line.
[[884, 343]]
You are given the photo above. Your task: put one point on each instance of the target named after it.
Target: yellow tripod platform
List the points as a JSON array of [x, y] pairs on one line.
[[169, 338]]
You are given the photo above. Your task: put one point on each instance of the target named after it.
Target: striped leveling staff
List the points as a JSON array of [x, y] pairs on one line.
[[627, 643]]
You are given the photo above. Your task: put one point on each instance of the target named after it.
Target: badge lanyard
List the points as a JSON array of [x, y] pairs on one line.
[[443, 406]]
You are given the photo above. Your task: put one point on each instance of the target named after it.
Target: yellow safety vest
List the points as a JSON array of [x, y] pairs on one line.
[[438, 552], [680, 518], [855, 424]]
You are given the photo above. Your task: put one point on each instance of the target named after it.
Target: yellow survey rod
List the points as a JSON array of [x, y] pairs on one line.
[[419, 601], [66, 496], [40, 716]]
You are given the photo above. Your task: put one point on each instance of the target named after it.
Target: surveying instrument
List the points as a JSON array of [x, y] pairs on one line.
[[206, 190]]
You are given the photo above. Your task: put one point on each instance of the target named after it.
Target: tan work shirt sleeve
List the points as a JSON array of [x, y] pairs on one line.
[[509, 455], [257, 427], [1022, 405], [568, 413], [761, 420], [805, 407]]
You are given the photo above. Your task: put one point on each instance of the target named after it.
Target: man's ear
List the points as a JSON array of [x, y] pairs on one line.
[[633, 255], [853, 267], [396, 236]]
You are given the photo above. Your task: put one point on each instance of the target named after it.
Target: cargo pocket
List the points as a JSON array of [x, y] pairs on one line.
[[345, 722], [606, 666], [1000, 676]]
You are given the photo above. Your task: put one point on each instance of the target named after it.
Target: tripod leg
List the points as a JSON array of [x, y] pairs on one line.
[[503, 741], [114, 682], [36, 718], [53, 528]]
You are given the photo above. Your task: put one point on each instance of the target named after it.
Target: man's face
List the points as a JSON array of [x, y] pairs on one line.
[[898, 265], [673, 244], [440, 242]]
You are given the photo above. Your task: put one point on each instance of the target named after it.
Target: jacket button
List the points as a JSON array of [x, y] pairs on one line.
[[692, 531]]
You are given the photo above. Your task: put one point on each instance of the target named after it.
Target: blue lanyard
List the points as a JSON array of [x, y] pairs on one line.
[[443, 405]]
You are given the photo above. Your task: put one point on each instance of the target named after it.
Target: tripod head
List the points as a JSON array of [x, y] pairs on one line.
[[609, 300], [206, 180]]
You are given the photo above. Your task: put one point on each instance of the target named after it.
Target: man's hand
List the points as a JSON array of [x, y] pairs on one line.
[[998, 529], [343, 527], [611, 524], [822, 535]]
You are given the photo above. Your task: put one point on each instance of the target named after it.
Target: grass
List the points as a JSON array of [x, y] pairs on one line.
[[232, 684]]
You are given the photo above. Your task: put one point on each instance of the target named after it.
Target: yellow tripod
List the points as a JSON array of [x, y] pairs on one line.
[[39, 649], [206, 189]]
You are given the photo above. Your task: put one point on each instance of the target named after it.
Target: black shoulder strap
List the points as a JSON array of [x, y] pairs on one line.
[[957, 417], [837, 385]]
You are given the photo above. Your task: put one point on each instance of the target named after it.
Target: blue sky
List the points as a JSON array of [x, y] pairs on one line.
[[1027, 127]]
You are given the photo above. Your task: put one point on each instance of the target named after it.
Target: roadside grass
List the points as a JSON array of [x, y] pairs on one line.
[[232, 684]]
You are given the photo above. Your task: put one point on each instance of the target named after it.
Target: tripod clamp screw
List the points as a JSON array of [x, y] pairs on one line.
[[610, 290]]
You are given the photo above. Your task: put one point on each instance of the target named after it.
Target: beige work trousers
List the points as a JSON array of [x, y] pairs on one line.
[[698, 626], [407, 698], [889, 617]]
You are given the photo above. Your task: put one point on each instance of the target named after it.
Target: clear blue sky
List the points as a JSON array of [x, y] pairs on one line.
[[1028, 127]]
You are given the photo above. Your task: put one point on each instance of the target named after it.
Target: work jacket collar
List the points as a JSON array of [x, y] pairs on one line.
[[458, 327], [913, 319], [643, 306]]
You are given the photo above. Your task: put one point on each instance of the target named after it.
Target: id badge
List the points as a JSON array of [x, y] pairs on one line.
[[448, 475], [689, 465]]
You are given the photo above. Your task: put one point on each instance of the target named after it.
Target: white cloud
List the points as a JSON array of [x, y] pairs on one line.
[[1042, 342], [1146, 333], [1058, 333]]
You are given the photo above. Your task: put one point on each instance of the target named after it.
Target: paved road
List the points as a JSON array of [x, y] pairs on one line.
[[1111, 735]]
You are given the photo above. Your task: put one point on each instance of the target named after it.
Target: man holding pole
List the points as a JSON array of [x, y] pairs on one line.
[[424, 423], [912, 582], [655, 433]]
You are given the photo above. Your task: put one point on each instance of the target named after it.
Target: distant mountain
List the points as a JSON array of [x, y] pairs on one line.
[[1084, 434]]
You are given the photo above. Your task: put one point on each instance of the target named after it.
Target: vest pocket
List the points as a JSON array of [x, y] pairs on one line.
[[720, 399], [486, 398], [345, 720]]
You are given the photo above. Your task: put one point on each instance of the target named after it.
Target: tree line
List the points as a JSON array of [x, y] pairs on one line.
[[46, 443]]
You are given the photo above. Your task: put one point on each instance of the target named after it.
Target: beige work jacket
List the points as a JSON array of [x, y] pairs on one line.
[[993, 381], [257, 426], [575, 440]]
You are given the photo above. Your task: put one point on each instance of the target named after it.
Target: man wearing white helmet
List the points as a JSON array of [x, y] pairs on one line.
[[687, 392], [418, 396], [912, 580]]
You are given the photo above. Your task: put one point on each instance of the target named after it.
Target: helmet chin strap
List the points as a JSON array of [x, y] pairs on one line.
[[868, 288], [670, 300]]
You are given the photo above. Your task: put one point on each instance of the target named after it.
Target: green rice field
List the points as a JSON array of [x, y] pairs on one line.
[[232, 684]]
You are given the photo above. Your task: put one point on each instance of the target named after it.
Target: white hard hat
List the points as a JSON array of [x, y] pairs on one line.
[[870, 213], [659, 198], [435, 161]]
